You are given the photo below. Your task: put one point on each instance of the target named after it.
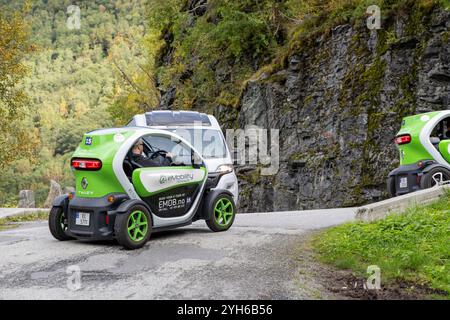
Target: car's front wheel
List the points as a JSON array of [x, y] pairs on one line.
[[133, 228], [434, 177], [221, 213], [57, 224]]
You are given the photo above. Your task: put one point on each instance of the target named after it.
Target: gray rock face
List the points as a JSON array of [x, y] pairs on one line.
[[55, 191], [26, 199], [338, 106]]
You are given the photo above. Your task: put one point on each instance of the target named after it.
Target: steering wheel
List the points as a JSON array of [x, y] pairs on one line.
[[162, 153]]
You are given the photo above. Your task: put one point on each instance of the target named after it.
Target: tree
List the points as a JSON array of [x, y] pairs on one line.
[[69, 84], [14, 45]]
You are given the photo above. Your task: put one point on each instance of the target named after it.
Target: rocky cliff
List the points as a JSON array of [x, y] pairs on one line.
[[338, 100], [338, 105]]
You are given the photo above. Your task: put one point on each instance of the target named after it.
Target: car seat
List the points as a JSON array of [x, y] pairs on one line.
[[129, 165], [435, 142], [128, 168]]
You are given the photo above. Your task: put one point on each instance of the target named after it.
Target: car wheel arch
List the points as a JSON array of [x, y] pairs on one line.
[[127, 204], [211, 196]]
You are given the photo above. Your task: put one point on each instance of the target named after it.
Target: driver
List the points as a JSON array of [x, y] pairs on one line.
[[139, 158], [447, 132]]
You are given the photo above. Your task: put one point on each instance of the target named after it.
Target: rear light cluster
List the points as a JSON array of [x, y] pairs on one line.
[[86, 164], [404, 139]]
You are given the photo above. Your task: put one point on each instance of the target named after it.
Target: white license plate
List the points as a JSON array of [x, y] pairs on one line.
[[82, 218], [404, 182]]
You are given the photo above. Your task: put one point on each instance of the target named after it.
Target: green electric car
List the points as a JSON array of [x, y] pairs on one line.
[[424, 146], [118, 198]]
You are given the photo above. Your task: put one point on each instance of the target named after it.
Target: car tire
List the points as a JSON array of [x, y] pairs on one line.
[[220, 213], [431, 178], [133, 228], [57, 224], [391, 187]]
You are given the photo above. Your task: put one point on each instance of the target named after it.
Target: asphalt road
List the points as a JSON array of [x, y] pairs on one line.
[[256, 259]]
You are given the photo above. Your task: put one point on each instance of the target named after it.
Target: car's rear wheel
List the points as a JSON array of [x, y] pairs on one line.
[[57, 224], [221, 213], [434, 177], [391, 187], [133, 228]]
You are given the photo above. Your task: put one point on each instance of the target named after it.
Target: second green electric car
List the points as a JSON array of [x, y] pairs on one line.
[[424, 148]]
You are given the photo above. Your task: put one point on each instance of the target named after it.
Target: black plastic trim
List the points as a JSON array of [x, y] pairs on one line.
[[165, 228], [435, 165], [98, 209], [213, 179], [414, 174]]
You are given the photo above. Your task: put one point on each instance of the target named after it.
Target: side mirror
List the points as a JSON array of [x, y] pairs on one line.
[[195, 160]]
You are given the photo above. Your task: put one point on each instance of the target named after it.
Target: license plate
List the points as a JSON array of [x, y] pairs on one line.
[[82, 218], [404, 182]]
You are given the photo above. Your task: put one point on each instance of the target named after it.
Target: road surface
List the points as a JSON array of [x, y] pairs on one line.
[[256, 259]]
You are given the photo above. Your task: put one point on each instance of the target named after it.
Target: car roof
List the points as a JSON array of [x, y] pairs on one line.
[[176, 118], [427, 113], [125, 129]]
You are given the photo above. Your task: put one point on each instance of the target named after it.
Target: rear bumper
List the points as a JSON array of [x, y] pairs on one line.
[[101, 217], [407, 179]]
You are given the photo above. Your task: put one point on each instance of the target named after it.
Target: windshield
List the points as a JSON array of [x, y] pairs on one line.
[[208, 142]]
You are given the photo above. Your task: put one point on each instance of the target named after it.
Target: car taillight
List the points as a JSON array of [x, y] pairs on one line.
[[86, 164], [405, 139]]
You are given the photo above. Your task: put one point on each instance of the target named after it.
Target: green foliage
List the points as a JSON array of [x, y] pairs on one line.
[[209, 56], [14, 45], [136, 91], [412, 246], [320, 16], [13, 221], [240, 32], [445, 4], [33, 216], [212, 54], [74, 78]]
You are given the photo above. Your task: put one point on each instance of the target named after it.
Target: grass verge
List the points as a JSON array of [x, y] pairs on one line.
[[413, 246], [14, 221]]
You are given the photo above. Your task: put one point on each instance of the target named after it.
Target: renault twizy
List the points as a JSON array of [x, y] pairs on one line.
[[424, 146], [118, 198]]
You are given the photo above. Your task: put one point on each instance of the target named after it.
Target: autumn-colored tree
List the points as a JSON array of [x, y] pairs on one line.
[[14, 45], [71, 81]]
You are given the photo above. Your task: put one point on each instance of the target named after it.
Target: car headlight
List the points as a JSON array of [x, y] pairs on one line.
[[225, 168]]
